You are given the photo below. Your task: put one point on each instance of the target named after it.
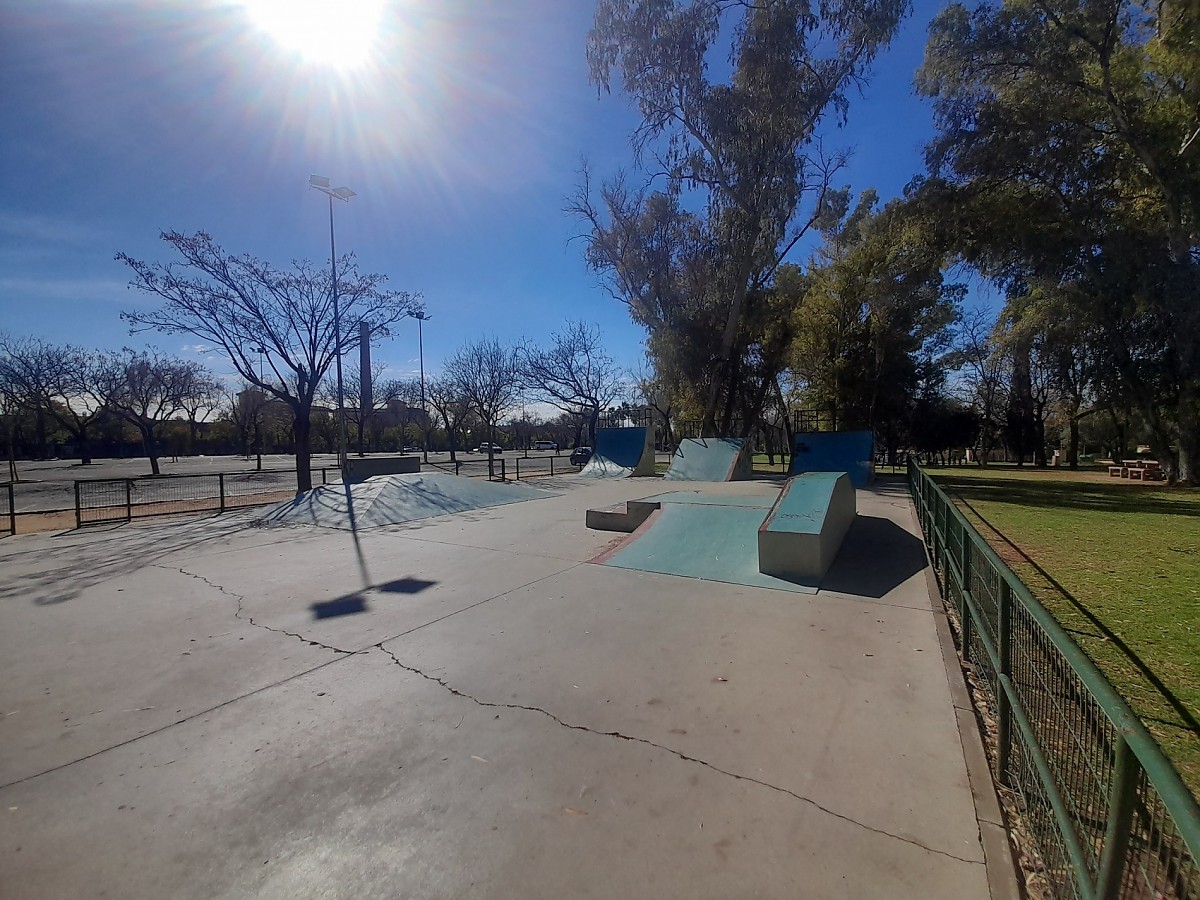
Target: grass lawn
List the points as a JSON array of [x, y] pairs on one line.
[[1118, 564]]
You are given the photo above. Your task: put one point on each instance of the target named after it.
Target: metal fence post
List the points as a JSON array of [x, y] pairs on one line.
[[503, 474], [221, 483], [128, 499], [552, 465], [1003, 702], [12, 509], [519, 467], [1121, 798], [78, 508]]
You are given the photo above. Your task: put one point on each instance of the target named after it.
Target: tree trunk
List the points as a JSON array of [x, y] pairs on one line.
[[85, 451], [1073, 445], [302, 426], [148, 447]]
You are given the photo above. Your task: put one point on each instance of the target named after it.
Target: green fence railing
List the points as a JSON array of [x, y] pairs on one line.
[[1107, 812]]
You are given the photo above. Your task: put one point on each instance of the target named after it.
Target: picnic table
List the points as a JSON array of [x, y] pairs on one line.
[[1136, 469]]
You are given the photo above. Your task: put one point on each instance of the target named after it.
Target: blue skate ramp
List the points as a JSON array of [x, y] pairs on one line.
[[710, 459], [851, 452], [619, 453]]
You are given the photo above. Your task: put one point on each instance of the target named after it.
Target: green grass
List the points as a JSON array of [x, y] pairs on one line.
[[763, 467], [1118, 564]]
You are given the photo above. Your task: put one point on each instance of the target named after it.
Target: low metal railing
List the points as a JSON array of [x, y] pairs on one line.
[[8, 514], [1108, 813], [101, 501]]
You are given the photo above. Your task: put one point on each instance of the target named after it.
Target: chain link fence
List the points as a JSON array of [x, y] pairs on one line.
[[1106, 811], [106, 500]]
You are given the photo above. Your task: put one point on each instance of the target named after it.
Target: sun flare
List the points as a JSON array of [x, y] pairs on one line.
[[336, 33]]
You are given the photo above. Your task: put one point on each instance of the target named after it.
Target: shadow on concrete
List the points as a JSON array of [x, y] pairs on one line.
[[350, 604], [342, 606], [59, 567], [876, 556], [404, 586]]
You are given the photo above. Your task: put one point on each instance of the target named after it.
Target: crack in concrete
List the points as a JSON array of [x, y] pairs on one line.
[[676, 753], [244, 616]]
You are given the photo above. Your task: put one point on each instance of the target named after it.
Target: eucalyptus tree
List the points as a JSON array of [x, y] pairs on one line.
[[254, 313], [1068, 138], [744, 178]]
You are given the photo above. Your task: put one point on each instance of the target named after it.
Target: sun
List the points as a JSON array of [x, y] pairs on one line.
[[335, 33]]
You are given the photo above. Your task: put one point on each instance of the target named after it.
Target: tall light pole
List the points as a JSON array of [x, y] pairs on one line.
[[342, 193], [421, 317]]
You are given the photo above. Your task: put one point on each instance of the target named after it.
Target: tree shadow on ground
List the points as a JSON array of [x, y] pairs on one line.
[[877, 556], [1186, 718], [61, 567], [1120, 497]]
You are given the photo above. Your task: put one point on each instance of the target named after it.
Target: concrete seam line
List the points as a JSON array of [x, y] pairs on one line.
[[343, 655], [188, 718], [421, 540], [676, 753]]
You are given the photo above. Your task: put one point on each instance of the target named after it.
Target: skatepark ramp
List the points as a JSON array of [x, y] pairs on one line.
[[786, 541], [621, 453], [851, 452], [711, 459]]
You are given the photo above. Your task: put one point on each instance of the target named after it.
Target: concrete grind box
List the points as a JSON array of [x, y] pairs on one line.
[[804, 530]]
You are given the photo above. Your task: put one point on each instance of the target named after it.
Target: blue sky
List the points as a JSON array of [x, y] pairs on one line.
[[462, 138]]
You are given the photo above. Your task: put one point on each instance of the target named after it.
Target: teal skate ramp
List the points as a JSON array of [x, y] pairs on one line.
[[695, 539], [711, 459], [851, 452], [620, 453]]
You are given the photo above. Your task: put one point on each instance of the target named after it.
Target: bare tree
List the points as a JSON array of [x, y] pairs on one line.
[[202, 394], [573, 374], [55, 379], [383, 392], [239, 303], [145, 388], [453, 406], [486, 373]]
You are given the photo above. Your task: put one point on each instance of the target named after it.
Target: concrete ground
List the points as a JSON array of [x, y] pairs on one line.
[[201, 707]]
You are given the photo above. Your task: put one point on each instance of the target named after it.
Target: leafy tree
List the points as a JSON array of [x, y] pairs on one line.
[[1068, 150], [238, 303], [573, 374], [742, 149]]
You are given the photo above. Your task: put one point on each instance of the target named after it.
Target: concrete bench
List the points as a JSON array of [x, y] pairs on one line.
[[804, 530]]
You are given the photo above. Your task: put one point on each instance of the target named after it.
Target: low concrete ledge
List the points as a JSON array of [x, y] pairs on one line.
[[805, 528], [370, 466], [625, 517]]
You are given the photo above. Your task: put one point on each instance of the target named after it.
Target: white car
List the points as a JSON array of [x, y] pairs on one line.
[[489, 448]]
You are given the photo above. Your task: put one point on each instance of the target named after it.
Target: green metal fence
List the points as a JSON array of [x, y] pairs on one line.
[[1105, 809]]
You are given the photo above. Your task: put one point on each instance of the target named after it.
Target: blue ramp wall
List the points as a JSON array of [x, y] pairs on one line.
[[835, 451]]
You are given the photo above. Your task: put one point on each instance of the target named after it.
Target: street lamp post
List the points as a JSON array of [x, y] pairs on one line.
[[421, 317], [321, 184]]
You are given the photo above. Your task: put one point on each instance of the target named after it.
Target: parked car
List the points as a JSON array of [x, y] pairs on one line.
[[545, 445], [580, 456], [489, 448]]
